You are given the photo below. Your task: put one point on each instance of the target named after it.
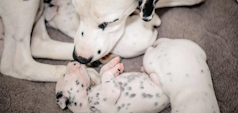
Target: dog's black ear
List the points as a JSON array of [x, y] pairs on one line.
[[147, 9], [62, 100]]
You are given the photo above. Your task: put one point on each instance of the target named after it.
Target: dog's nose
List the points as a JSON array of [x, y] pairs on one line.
[[81, 59]]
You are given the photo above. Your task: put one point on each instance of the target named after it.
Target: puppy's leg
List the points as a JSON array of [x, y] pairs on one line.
[[18, 18], [43, 46], [110, 86], [155, 78], [109, 65]]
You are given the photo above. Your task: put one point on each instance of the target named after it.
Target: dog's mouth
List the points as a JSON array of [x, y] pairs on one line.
[[80, 59]]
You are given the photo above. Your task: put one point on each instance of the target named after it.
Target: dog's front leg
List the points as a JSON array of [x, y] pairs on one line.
[[18, 18], [42, 46]]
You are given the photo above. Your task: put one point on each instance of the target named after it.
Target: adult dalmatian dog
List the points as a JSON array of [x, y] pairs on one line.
[[102, 23]]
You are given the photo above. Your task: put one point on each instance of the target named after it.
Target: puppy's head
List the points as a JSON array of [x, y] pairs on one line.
[[74, 82], [102, 23]]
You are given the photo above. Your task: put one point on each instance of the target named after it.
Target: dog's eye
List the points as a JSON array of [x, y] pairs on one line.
[[103, 25], [114, 20]]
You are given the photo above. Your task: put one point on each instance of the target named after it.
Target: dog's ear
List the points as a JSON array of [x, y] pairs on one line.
[[147, 9], [62, 100], [50, 11]]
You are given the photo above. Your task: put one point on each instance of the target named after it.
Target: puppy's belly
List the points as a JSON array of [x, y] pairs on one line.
[[138, 95]]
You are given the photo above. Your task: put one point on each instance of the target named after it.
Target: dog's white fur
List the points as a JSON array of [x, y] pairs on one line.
[[19, 17], [179, 67], [94, 14], [138, 36]]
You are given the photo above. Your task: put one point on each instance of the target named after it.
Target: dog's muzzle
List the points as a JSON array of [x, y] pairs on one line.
[[81, 59]]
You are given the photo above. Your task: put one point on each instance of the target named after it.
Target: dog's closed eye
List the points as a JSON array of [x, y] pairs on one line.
[[114, 20], [104, 24]]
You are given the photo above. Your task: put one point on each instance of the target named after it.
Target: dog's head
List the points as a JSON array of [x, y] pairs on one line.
[[102, 23], [73, 85]]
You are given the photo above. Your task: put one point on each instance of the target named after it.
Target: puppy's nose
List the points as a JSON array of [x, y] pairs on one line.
[[81, 59]]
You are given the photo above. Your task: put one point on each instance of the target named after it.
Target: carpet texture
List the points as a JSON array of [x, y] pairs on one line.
[[213, 25]]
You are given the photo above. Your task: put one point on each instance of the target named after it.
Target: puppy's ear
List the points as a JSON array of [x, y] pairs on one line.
[[62, 100], [147, 9]]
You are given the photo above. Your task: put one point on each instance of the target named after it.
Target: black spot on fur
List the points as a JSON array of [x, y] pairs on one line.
[[125, 84], [156, 103], [99, 51], [118, 108], [96, 103], [122, 89], [157, 95], [119, 70], [105, 99], [202, 71], [75, 103], [149, 95], [77, 82], [129, 88], [187, 75], [143, 95], [80, 105], [132, 95], [126, 93], [97, 94], [82, 85], [122, 105], [59, 94], [82, 33]]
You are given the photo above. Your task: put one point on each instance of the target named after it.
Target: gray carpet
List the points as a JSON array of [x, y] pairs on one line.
[[213, 25]]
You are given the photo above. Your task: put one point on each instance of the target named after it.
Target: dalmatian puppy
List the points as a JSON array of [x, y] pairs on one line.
[[127, 92], [179, 67], [60, 14]]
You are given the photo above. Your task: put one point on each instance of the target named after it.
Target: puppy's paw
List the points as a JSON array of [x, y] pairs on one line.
[[118, 69], [110, 65]]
